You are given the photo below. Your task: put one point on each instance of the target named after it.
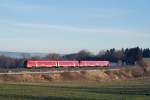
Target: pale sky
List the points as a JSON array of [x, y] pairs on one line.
[[66, 26]]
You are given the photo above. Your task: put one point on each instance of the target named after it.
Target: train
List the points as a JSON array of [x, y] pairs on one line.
[[65, 63]]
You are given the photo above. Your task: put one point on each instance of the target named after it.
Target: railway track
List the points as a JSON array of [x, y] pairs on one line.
[[51, 70]]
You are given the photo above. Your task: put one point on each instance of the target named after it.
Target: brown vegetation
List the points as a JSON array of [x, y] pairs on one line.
[[93, 75]]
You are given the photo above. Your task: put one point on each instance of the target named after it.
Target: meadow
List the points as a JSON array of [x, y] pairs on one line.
[[76, 90]]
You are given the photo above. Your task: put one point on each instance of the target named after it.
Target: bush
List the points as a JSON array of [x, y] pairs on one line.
[[47, 77]]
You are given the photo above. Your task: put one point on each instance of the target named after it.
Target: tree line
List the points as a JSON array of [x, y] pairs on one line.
[[128, 56]]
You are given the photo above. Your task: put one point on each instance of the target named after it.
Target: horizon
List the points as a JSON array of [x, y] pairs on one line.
[[95, 53], [70, 26]]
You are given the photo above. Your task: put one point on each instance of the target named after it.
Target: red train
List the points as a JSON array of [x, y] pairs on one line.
[[51, 63]]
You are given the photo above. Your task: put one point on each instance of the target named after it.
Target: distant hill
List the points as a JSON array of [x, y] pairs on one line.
[[21, 54]]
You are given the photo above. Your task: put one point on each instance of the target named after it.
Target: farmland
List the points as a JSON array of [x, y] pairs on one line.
[[121, 84], [76, 90]]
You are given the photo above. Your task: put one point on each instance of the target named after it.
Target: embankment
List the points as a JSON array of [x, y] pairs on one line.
[[90, 75]]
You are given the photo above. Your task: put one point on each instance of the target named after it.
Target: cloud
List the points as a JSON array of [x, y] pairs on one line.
[[75, 29], [70, 28]]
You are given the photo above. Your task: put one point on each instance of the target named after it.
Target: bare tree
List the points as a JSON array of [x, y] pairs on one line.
[[53, 56]]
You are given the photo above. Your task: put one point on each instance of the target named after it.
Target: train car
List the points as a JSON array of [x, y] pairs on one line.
[[67, 63], [94, 63], [50, 63], [41, 63]]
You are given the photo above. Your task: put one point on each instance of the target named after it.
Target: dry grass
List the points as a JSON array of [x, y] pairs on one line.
[[93, 75]]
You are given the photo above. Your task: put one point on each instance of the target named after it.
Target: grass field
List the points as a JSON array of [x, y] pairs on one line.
[[76, 90]]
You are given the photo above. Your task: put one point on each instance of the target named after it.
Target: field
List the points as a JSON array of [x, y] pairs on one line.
[[76, 90]]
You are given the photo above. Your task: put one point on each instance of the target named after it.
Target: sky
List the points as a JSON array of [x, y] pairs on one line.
[[67, 26]]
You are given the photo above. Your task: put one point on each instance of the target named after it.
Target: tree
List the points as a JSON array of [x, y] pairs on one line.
[[146, 53], [110, 55], [83, 55], [132, 55], [119, 55], [70, 56], [7, 62], [53, 56]]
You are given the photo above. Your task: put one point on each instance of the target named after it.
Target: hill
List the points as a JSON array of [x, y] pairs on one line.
[[21, 54]]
